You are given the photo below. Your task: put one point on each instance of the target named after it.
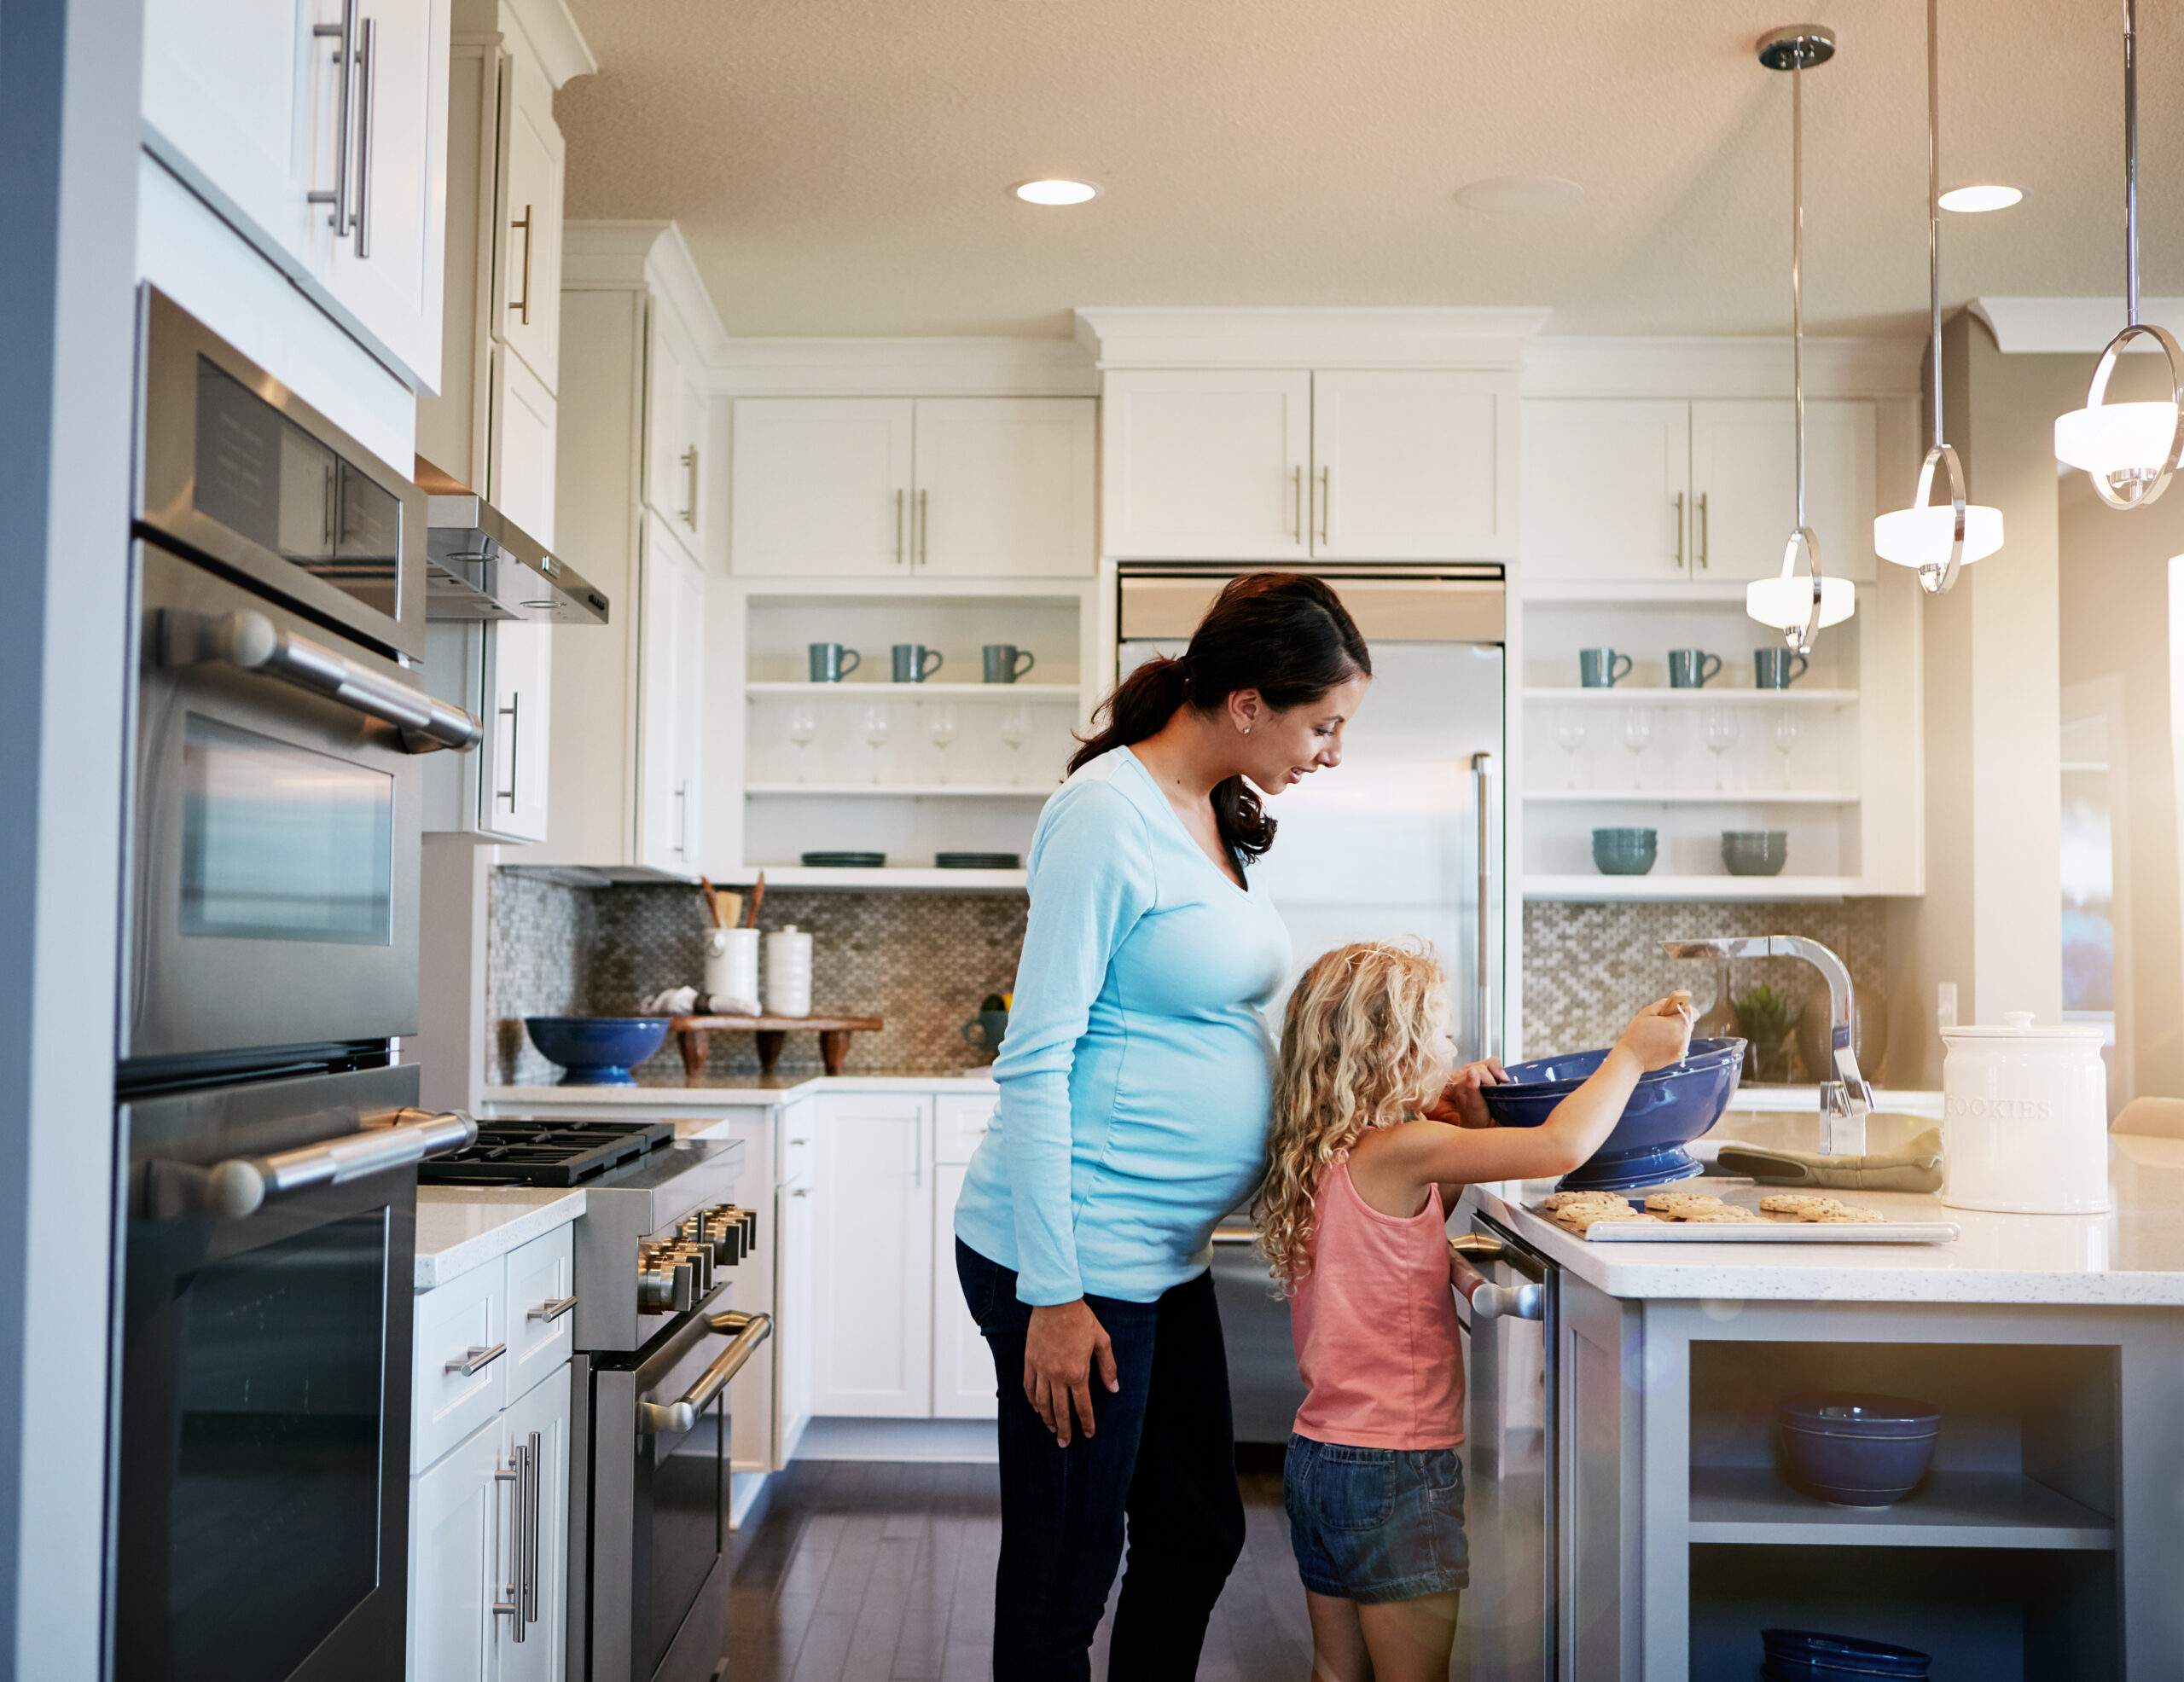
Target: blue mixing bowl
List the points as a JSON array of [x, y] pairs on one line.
[[1668, 1109], [596, 1051], [1856, 1450]]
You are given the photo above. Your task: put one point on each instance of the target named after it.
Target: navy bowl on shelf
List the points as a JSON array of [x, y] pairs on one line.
[[1667, 1110], [1808, 1656], [596, 1051], [1856, 1450]]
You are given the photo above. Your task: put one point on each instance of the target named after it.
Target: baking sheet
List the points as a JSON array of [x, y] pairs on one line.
[[1774, 1231]]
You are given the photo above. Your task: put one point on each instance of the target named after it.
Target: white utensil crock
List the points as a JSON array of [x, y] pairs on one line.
[[788, 973], [732, 964], [2025, 1127]]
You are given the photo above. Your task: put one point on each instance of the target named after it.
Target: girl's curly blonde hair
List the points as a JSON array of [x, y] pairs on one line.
[[1357, 1052]]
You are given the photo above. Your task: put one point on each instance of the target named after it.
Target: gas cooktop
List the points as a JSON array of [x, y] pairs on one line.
[[544, 1153]]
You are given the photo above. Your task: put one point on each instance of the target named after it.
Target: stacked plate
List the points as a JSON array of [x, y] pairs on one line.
[[1807, 1656], [979, 861], [846, 861]]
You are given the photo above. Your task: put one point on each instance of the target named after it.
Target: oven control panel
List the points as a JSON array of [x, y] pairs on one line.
[[676, 1272]]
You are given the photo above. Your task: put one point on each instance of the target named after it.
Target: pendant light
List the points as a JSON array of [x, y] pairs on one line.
[[1937, 541], [2129, 449], [1798, 606]]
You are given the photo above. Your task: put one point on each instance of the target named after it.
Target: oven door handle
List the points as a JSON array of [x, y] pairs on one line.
[[242, 1185], [654, 1418], [249, 641], [1488, 1299]]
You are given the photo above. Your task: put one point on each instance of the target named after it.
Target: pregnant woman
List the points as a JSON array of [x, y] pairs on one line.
[[1135, 1091]]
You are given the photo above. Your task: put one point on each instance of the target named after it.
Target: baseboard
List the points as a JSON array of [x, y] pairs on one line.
[[746, 1497], [962, 1441]]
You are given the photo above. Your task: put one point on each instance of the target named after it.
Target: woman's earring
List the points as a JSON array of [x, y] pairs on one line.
[[1247, 729]]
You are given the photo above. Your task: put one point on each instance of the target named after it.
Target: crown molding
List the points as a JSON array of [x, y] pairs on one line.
[[1699, 367], [2070, 325], [562, 51], [1307, 338], [886, 368], [645, 256]]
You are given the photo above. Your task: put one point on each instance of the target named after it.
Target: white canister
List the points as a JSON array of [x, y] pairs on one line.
[[788, 973], [2024, 1119], [732, 964]]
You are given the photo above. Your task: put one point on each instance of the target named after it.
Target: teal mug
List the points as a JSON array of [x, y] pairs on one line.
[[986, 1030]]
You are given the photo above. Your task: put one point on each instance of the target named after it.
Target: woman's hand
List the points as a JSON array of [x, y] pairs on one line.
[[1059, 1350], [1460, 1103], [1660, 1034]]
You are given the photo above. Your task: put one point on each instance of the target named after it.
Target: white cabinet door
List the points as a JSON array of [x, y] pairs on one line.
[[675, 443], [235, 89], [390, 273], [795, 1325], [1606, 489], [1005, 487], [962, 1367], [1744, 465], [534, 1445], [527, 313], [517, 749], [670, 699], [457, 1517], [821, 486], [520, 457], [1412, 465], [873, 1251], [1206, 465]]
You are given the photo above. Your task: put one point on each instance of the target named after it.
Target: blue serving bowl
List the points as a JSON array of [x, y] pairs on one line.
[[1808, 1656], [1856, 1450], [1668, 1109], [596, 1051]]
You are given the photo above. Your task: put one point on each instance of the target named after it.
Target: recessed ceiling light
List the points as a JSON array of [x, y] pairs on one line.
[[1055, 191], [1969, 199], [1519, 192]]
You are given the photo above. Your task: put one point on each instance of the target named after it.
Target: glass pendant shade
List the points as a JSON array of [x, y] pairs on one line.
[[1786, 603], [2125, 444], [1921, 536]]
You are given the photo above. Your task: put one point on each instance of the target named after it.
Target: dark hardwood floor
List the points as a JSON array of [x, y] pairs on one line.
[[858, 1572]]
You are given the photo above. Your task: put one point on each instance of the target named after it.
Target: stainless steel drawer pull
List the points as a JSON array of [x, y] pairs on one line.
[[345, 55], [552, 1309], [250, 642], [476, 1361], [240, 1186], [1235, 1235], [523, 225], [1489, 1301], [367, 63], [678, 1416]]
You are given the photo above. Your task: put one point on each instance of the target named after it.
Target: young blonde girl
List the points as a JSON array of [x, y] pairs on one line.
[[1375, 1134]]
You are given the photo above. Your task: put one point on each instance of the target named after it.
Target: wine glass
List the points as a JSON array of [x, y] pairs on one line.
[[1785, 739], [1016, 730], [940, 725], [1569, 736], [1720, 729], [803, 729], [1637, 731], [876, 725]]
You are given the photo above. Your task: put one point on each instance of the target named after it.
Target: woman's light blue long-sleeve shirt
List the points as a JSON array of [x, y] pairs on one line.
[[1137, 1076]]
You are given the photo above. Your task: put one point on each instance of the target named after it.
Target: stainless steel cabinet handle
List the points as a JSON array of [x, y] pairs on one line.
[[1679, 528], [924, 531], [690, 514], [1235, 1235], [522, 305], [367, 55], [1490, 828], [1699, 533], [478, 1358], [513, 713], [552, 1309], [1326, 501], [902, 498], [1297, 503], [751, 1330], [683, 817], [344, 55], [1489, 1301], [534, 1463], [801, 1191], [505, 1568], [240, 1186], [249, 641]]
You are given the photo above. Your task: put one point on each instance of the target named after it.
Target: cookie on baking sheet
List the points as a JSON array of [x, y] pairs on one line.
[[1720, 1215], [1797, 1203], [1670, 1202], [1847, 1214], [1564, 1199]]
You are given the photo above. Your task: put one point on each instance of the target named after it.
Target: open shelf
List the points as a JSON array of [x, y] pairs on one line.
[[872, 881], [907, 791], [853, 689], [1953, 1509], [1685, 796], [1727, 887], [1725, 696]]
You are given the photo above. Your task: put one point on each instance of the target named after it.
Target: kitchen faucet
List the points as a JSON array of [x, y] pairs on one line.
[[1844, 1100]]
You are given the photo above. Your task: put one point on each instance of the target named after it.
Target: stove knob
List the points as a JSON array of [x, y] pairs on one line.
[[655, 1286], [699, 1259]]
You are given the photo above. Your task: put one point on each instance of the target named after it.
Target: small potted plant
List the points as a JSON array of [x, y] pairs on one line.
[[1766, 1019]]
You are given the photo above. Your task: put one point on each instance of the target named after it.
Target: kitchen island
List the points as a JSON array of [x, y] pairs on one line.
[[2045, 1540]]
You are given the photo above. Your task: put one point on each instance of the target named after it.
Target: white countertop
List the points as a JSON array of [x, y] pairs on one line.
[[460, 1227], [2130, 1257], [778, 1089]]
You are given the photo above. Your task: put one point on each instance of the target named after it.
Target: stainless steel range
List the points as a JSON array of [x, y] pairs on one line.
[[658, 1340]]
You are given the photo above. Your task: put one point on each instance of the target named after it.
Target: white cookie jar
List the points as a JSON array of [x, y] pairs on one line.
[[2024, 1119]]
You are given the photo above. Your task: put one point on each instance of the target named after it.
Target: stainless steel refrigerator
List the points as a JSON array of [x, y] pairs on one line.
[[1406, 837]]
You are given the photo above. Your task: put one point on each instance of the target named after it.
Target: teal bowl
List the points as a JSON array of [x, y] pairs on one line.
[[1624, 852], [1755, 852]]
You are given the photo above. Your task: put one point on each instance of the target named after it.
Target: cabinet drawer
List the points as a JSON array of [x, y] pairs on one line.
[[959, 1123], [542, 1324], [465, 1314]]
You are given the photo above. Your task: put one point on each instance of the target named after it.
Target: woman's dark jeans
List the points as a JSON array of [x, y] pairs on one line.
[[1163, 1458]]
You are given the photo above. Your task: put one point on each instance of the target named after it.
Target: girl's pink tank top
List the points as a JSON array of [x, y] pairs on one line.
[[1375, 1325]]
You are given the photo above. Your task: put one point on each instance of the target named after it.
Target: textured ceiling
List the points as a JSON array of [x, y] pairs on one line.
[[838, 166]]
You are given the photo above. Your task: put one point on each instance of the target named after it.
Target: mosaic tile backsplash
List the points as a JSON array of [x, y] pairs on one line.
[[1589, 967], [919, 962]]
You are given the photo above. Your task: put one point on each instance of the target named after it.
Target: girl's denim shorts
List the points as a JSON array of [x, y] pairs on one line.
[[1375, 1525]]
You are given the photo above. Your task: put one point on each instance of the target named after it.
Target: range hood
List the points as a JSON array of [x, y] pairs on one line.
[[481, 564]]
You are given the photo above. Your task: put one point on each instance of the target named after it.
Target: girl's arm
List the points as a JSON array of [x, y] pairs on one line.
[[1391, 1167]]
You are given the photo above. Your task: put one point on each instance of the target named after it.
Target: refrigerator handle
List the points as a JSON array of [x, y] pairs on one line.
[[1484, 770]]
